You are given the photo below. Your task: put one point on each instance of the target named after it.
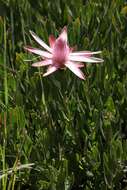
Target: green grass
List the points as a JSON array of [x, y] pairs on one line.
[[58, 132]]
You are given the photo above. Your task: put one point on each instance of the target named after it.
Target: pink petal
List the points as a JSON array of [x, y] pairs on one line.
[[73, 67], [51, 69], [85, 53], [79, 65], [52, 41], [63, 35], [61, 48], [42, 63], [39, 41], [39, 52], [84, 59]]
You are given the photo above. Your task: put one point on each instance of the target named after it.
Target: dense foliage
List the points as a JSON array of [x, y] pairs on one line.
[[73, 131]]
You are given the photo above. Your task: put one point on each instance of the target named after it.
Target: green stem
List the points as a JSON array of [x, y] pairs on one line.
[[5, 67], [4, 180]]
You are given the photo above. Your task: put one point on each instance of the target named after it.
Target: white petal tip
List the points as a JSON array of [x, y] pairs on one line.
[[99, 60], [34, 65], [97, 52], [31, 32], [25, 48], [45, 74]]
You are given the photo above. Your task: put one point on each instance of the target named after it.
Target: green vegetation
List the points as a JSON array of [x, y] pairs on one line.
[[59, 132]]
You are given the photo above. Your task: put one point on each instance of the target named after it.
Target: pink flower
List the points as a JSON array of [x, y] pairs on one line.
[[59, 55]]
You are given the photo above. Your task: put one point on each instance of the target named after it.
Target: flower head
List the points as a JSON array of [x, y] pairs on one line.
[[60, 55]]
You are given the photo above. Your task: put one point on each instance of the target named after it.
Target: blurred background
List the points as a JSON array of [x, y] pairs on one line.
[[73, 131]]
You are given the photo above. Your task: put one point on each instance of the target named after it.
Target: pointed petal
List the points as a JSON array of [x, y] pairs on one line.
[[39, 41], [97, 60], [52, 41], [73, 67], [61, 48], [50, 70], [39, 52], [63, 35], [84, 59], [42, 63], [79, 65], [85, 53]]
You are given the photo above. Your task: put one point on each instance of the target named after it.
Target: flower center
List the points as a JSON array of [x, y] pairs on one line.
[[60, 52]]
